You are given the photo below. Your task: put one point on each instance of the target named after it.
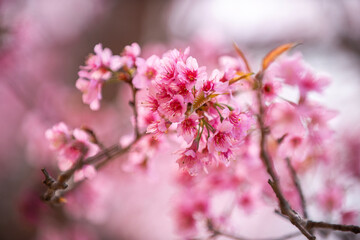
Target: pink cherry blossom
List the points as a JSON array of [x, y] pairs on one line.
[[146, 71], [185, 220], [167, 70], [174, 109], [191, 205], [181, 88], [349, 217], [242, 122], [190, 161], [91, 92], [158, 128], [187, 129], [271, 88], [291, 68], [296, 72], [71, 145], [331, 198], [129, 55], [246, 202], [312, 82], [190, 72], [58, 136], [284, 118], [221, 141]]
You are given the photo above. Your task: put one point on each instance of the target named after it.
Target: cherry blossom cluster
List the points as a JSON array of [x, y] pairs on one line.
[[99, 68], [182, 97], [179, 96]]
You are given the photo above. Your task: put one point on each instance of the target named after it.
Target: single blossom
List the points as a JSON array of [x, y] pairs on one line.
[[130, 54], [167, 70], [174, 109], [331, 198], [221, 141], [158, 128], [187, 129], [190, 73], [284, 118], [146, 71], [189, 161], [91, 92], [58, 136]]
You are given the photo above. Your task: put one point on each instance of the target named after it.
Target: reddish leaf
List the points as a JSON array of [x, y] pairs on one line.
[[275, 53]]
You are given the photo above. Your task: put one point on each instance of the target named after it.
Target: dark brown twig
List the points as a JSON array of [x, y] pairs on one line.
[[296, 182], [338, 227], [133, 106]]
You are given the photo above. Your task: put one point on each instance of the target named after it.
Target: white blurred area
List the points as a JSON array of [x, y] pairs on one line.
[[262, 21]]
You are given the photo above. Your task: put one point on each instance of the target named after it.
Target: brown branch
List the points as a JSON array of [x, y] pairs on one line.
[[132, 103], [60, 183], [296, 182], [338, 227]]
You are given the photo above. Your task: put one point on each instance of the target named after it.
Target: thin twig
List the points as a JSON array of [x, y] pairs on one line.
[[296, 182], [132, 103]]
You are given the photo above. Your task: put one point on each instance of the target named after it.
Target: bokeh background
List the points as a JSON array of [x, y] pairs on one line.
[[42, 44]]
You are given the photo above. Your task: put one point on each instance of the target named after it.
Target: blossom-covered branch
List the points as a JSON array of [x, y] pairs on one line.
[[100, 160], [79, 149]]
